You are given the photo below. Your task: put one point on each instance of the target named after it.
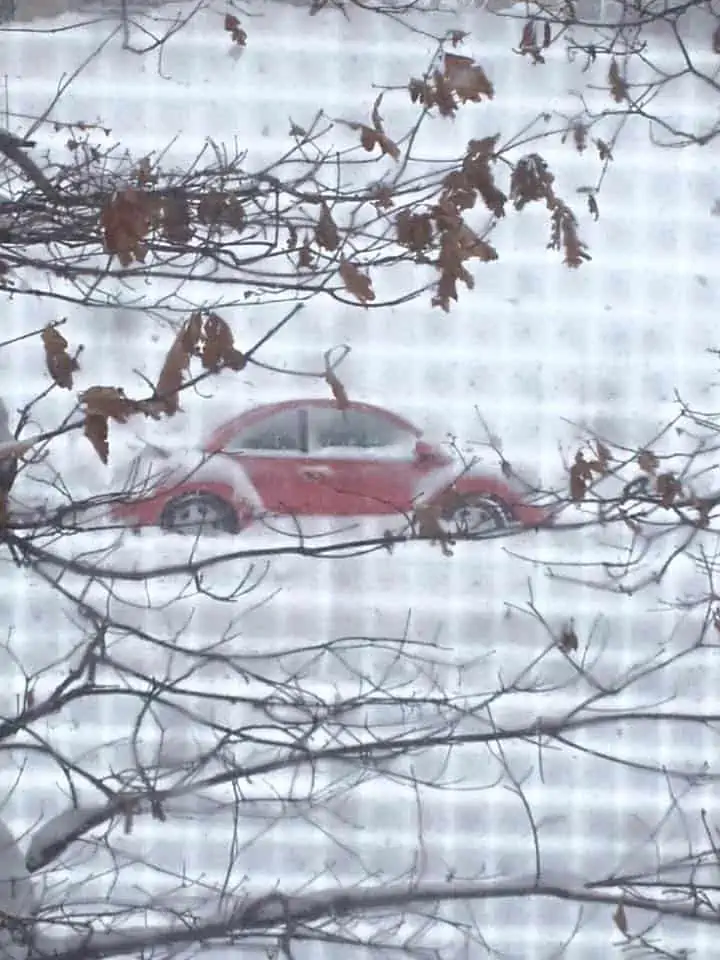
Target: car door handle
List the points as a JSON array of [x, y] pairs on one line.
[[318, 472]]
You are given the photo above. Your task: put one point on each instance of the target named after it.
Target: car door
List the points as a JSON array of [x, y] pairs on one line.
[[272, 450], [364, 461]]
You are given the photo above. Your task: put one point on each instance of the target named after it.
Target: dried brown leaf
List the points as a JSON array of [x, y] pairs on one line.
[[568, 640], [60, 364], [338, 389], [306, 258], [668, 488], [531, 181], [414, 230], [466, 78], [96, 430], [446, 291], [457, 36], [126, 220], [620, 919], [547, 34], [703, 507], [175, 218], [579, 132], [647, 461], [578, 483], [604, 151], [528, 39], [356, 282], [383, 197], [174, 368], [442, 95], [370, 138], [191, 333], [478, 173], [326, 232], [218, 350], [374, 136], [716, 39], [217, 209], [593, 206], [564, 235], [618, 86], [110, 403], [427, 523], [529, 42], [232, 26], [420, 92]]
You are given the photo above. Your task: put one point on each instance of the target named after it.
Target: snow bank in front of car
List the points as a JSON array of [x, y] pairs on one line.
[[198, 469], [436, 483]]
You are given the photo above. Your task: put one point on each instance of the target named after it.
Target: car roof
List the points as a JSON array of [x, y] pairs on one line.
[[260, 411]]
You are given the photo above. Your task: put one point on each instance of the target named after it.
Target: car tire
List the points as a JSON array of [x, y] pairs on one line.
[[472, 515], [198, 514]]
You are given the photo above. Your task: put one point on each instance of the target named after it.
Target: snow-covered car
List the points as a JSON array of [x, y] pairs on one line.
[[311, 458]]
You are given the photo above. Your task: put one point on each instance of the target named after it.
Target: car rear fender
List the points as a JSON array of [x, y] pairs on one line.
[[451, 480], [217, 471], [192, 471]]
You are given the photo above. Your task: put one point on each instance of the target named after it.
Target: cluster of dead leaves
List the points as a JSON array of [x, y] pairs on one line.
[[60, 365], [102, 404], [443, 227], [130, 215], [218, 209], [327, 237], [237, 34], [374, 136], [533, 182], [564, 235], [661, 487], [664, 485], [208, 338], [205, 337], [530, 43], [458, 243], [126, 219], [460, 81], [584, 472]]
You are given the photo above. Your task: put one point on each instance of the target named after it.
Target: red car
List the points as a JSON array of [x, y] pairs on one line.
[[310, 458]]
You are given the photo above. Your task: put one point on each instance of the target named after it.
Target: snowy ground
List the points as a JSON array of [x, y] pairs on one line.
[[536, 350]]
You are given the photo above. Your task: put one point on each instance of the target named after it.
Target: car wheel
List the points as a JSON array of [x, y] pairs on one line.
[[199, 513], [474, 515]]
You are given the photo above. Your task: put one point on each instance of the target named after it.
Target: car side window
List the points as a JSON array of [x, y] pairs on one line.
[[361, 429], [277, 432]]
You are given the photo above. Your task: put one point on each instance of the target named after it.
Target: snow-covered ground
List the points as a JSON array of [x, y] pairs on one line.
[[535, 350]]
